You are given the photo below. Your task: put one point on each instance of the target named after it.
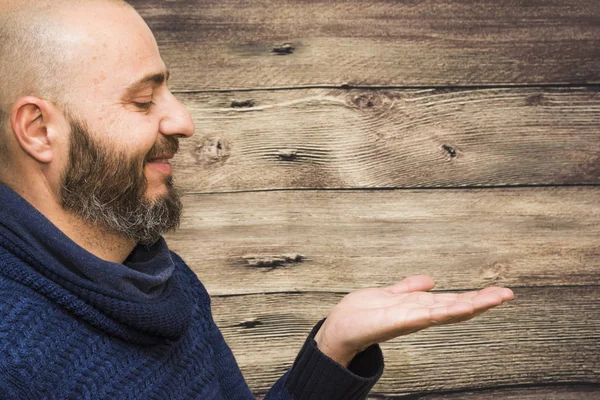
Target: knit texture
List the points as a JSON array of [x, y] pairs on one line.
[[73, 326]]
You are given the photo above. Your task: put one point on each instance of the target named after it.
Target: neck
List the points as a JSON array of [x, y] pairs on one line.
[[97, 241], [104, 245]]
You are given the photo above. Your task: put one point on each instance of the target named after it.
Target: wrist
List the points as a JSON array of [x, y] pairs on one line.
[[342, 357]]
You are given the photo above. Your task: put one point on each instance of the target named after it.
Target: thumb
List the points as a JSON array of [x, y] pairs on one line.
[[415, 283]]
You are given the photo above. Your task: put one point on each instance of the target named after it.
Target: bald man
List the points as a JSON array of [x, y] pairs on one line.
[[93, 304]]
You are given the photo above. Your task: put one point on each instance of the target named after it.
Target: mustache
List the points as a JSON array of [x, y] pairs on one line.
[[168, 145]]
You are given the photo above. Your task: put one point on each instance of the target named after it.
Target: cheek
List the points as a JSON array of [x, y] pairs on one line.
[[62, 155], [62, 147], [134, 135]]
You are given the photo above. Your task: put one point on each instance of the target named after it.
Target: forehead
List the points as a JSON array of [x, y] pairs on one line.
[[115, 49]]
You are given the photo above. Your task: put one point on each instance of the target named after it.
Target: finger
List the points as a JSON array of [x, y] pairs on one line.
[[473, 293], [419, 299], [467, 317], [445, 314], [445, 298], [423, 317], [448, 298], [506, 293], [419, 318], [427, 298], [412, 284], [492, 298], [433, 299], [481, 305]]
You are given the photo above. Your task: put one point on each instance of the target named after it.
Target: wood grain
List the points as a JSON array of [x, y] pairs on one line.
[[390, 138], [544, 336], [229, 44], [462, 112], [342, 240], [547, 392]]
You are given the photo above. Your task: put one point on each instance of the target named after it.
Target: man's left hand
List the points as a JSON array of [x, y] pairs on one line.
[[375, 315]]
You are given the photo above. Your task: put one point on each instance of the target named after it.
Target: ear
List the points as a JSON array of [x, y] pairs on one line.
[[32, 119]]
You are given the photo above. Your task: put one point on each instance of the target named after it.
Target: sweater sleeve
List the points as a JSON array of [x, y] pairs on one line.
[[315, 376]]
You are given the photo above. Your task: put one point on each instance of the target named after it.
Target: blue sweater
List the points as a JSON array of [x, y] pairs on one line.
[[73, 326]]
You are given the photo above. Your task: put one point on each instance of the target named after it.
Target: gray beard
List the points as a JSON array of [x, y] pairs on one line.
[[107, 190]]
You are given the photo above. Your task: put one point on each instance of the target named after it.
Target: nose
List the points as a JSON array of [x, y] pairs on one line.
[[176, 119]]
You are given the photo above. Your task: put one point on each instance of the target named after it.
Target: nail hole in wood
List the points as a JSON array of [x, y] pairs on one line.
[[450, 150], [242, 103], [288, 154], [283, 49], [535, 100], [249, 324], [272, 261]]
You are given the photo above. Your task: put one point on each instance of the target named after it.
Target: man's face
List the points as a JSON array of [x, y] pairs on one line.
[[124, 128], [108, 188]]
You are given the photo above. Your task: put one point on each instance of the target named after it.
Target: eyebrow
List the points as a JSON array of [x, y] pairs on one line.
[[154, 78]]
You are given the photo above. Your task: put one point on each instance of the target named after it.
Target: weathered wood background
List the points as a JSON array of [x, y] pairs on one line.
[[343, 144]]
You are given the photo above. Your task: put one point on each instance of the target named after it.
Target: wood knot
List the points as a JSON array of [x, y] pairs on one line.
[[494, 272], [375, 101], [287, 154], [251, 323], [212, 151], [272, 261], [536, 100], [450, 150], [283, 49], [366, 101], [242, 103]]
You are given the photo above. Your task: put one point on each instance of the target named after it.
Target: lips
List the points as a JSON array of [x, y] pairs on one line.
[[161, 158], [161, 164]]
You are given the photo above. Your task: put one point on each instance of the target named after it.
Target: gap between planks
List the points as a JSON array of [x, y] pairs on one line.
[[394, 87], [556, 390], [453, 290], [465, 187]]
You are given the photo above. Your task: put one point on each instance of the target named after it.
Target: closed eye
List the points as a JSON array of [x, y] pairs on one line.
[[143, 106]]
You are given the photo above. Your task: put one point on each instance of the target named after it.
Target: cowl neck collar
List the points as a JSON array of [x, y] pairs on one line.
[[142, 296]]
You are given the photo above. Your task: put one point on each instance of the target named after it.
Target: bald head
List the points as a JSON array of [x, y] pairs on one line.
[[92, 120], [39, 49]]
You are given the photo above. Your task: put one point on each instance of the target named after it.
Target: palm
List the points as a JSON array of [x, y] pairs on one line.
[[369, 316]]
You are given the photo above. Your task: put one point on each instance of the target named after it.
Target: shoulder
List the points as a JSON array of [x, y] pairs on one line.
[[20, 287], [14, 294], [184, 269], [189, 277], [19, 299], [27, 320]]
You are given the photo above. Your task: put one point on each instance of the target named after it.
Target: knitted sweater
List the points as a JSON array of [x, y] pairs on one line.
[[73, 326]]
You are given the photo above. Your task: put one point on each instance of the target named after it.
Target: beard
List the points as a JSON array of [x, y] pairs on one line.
[[107, 189]]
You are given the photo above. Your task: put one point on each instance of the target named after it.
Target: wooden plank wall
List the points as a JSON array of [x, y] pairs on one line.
[[343, 144]]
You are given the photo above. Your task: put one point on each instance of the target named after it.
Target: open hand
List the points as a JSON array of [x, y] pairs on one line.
[[374, 315]]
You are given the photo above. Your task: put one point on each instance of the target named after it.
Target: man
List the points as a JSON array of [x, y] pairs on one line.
[[93, 305]]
